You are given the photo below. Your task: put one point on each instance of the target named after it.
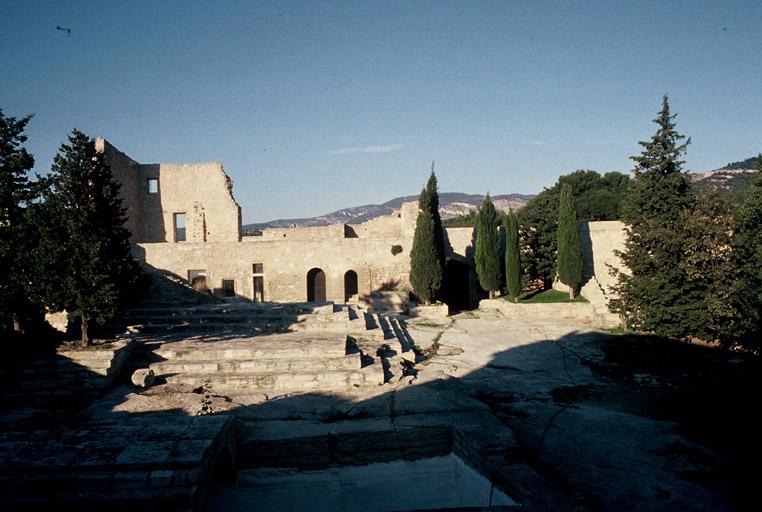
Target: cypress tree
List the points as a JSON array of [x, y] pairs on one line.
[[425, 272], [15, 193], [656, 295], [569, 246], [512, 257], [427, 255], [487, 251], [429, 201], [84, 251]]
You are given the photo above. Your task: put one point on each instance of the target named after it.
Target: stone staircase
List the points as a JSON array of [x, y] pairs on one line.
[[61, 380], [282, 363], [262, 348]]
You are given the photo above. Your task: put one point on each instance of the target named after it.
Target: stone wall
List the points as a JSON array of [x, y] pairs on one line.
[[213, 242], [286, 261], [605, 238], [203, 192], [459, 242]]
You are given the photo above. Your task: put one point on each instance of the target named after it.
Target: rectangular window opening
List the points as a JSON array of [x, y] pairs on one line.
[[153, 185], [228, 287], [258, 268], [179, 219]]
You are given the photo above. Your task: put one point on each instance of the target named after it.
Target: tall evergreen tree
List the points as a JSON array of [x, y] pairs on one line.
[[596, 197], [656, 295], [512, 257], [425, 272], [569, 245], [15, 193], [84, 251], [487, 251], [746, 293], [429, 201]]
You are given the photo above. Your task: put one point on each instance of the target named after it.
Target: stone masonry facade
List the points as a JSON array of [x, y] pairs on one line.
[[184, 220]]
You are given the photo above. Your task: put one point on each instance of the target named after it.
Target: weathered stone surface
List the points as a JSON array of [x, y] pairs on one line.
[[438, 310], [143, 377], [580, 311]]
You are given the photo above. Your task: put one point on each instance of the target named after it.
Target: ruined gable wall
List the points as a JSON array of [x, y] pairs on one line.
[[127, 172], [202, 191]]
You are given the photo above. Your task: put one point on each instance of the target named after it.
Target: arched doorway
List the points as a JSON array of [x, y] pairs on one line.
[[316, 285], [350, 284]]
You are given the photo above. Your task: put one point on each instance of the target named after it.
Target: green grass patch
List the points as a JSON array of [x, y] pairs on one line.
[[547, 297]]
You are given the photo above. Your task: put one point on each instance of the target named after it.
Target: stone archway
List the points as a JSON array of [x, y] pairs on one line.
[[316, 285], [350, 284]]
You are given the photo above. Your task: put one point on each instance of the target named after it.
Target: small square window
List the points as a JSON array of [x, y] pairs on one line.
[[153, 185], [257, 268]]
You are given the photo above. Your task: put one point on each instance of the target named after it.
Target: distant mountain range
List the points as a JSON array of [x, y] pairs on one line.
[[732, 178], [451, 204]]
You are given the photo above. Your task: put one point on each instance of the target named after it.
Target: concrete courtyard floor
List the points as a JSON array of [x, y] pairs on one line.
[[538, 408]]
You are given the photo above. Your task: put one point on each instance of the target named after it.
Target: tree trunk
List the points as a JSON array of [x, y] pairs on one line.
[[85, 335], [571, 293]]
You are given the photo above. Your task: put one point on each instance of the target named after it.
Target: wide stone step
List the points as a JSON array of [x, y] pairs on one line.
[[295, 381], [264, 365], [286, 351], [190, 328]]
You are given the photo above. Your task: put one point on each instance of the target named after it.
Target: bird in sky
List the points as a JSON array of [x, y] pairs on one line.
[[64, 29]]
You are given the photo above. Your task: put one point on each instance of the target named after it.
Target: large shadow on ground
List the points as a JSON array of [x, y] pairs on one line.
[[553, 426]]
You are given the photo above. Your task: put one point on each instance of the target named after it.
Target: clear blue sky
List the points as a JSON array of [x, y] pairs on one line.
[[315, 106]]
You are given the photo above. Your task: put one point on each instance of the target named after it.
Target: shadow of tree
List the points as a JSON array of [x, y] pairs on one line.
[[546, 422]]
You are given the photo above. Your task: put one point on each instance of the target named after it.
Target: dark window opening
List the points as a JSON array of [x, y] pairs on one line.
[[228, 288], [316, 285], [259, 289], [179, 221], [257, 268]]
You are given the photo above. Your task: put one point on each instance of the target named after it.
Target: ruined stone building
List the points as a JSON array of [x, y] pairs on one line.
[[184, 220]]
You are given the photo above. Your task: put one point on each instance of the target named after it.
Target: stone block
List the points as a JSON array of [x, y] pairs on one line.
[[143, 377]]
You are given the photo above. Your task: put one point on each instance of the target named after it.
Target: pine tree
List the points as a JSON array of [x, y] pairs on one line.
[[512, 257], [15, 193], [487, 251], [568, 241], [84, 251], [656, 295], [746, 255]]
